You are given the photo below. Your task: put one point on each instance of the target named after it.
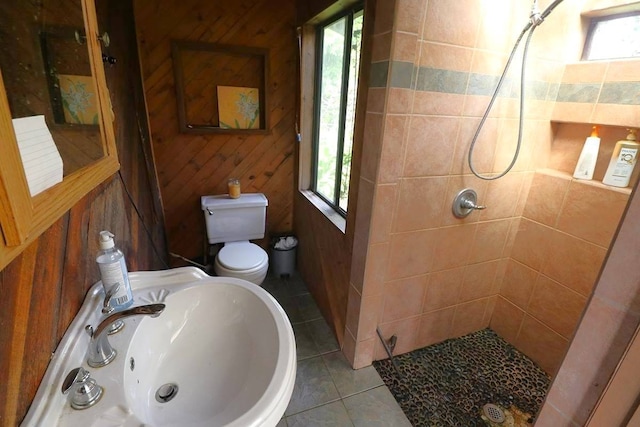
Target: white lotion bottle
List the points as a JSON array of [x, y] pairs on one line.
[[623, 160], [113, 270], [588, 157]]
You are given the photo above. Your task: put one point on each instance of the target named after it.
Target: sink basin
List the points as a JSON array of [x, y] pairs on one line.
[[221, 354]]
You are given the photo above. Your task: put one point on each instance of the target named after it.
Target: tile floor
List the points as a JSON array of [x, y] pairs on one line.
[[328, 392]]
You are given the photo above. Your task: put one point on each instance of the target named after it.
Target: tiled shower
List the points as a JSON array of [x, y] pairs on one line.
[[526, 265]]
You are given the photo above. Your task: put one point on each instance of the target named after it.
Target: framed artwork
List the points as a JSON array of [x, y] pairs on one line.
[[239, 107], [72, 88], [79, 100], [221, 88]]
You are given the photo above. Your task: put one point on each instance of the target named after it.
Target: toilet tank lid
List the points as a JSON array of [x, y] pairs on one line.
[[223, 201]]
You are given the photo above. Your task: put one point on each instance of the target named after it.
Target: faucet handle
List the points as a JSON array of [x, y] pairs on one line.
[[108, 309], [83, 390]]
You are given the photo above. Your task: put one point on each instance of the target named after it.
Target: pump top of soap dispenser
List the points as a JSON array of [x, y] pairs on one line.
[[106, 240], [632, 135]]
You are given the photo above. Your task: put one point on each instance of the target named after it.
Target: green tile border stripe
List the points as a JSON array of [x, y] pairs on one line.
[[406, 75]]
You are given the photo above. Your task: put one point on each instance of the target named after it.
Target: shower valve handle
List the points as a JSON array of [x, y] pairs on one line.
[[465, 203]]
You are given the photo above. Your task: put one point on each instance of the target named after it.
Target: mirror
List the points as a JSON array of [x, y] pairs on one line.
[[51, 68]]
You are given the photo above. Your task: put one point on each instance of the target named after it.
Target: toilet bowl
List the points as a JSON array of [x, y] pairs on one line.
[[242, 260]]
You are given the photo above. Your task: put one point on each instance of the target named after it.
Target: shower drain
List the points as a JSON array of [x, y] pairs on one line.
[[493, 412]]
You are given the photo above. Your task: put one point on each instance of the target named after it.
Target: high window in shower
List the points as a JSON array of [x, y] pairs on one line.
[[613, 37], [336, 82]]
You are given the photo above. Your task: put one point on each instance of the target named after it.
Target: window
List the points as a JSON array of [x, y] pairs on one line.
[[337, 65], [613, 37]]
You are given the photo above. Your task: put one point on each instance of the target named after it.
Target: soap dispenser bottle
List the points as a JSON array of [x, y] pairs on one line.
[[113, 270], [588, 157], [623, 159]]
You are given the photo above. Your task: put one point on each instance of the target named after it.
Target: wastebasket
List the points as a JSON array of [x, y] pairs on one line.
[[283, 255]]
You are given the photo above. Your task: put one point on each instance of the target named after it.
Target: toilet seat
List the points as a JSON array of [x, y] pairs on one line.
[[242, 256]]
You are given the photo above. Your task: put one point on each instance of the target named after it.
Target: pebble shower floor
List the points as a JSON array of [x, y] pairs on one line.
[[447, 384]]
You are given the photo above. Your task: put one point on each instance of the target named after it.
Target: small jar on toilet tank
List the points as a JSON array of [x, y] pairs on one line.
[[234, 188]]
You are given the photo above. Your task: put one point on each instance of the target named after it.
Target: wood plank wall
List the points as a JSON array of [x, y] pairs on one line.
[[192, 165], [44, 287]]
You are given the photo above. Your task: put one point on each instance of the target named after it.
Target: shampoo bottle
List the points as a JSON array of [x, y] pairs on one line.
[[113, 270], [587, 161], [623, 159]]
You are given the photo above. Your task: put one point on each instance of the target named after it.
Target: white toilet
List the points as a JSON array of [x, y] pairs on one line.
[[234, 222]]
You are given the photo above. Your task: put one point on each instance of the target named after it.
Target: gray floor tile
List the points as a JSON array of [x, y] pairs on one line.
[[350, 381], [282, 423], [305, 344], [330, 415], [290, 306], [307, 307], [313, 386], [375, 408], [323, 336]]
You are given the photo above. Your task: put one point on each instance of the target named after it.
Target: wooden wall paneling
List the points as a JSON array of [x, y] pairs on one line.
[[44, 287], [190, 166], [17, 278], [43, 311]]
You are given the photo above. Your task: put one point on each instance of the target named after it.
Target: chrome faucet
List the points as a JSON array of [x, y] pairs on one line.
[[100, 351]]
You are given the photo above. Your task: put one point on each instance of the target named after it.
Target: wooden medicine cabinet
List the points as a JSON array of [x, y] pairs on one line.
[[33, 80]]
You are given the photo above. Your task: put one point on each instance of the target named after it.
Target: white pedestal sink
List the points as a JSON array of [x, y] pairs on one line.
[[221, 354]]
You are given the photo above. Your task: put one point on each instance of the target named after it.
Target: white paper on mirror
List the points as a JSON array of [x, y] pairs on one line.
[[40, 157]]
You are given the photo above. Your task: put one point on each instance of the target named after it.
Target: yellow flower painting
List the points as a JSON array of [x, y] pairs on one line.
[[79, 101], [238, 107]]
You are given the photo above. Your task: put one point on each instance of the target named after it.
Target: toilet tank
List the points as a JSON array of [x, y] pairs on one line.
[[232, 220]]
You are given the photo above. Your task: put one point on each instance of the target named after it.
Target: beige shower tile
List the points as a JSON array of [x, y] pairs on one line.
[[495, 26], [430, 145], [420, 203], [437, 103], [411, 254], [623, 71], [385, 14], [393, 146], [517, 285], [440, 14], [616, 114], [532, 243], [488, 63], [542, 344], [592, 213], [573, 112], [373, 142], [585, 72], [546, 197], [484, 148], [399, 101], [381, 50], [502, 197], [370, 317], [403, 298], [435, 327], [489, 241], [406, 330], [445, 57], [506, 320], [469, 317], [452, 248], [375, 269], [382, 215], [573, 262], [376, 99], [354, 304], [478, 281], [556, 306], [409, 15], [405, 47], [443, 289]]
